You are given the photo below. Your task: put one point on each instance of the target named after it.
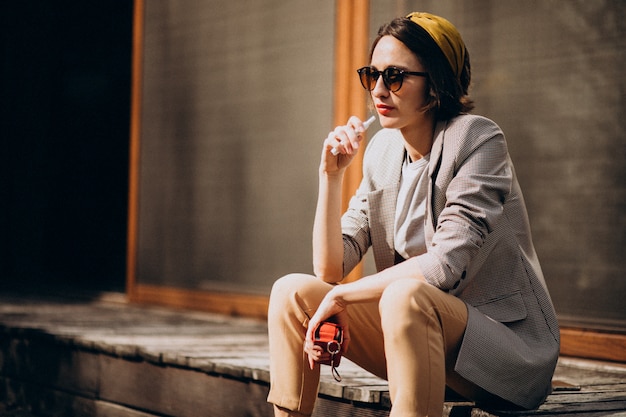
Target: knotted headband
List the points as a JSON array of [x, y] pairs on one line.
[[445, 35]]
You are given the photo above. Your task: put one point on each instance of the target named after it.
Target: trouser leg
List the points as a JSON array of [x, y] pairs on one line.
[[423, 328], [294, 299], [366, 338]]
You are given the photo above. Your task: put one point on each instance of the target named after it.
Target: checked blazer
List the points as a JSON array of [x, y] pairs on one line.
[[479, 249]]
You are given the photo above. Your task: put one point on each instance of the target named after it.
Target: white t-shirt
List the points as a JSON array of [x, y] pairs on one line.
[[411, 208]]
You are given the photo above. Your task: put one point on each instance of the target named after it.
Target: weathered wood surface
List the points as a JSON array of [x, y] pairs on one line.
[[110, 338]]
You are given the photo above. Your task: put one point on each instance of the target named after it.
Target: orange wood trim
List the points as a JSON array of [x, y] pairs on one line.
[[593, 344], [351, 49], [134, 151], [224, 303]]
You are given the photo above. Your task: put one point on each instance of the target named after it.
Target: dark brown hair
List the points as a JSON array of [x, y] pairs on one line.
[[448, 95]]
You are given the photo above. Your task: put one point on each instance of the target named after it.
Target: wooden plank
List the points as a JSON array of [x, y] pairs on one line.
[[224, 303], [179, 392], [593, 344], [371, 393], [583, 397], [44, 362], [208, 350], [46, 401]]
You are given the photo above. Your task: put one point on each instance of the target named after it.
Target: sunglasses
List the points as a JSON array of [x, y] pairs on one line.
[[392, 77]]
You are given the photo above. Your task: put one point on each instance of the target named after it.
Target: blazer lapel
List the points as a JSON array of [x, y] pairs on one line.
[[437, 149], [382, 214], [382, 202], [436, 153]]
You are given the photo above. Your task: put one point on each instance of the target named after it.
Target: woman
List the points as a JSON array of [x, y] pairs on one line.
[[459, 298]]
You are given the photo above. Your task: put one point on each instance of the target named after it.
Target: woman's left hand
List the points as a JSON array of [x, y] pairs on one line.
[[332, 308], [346, 140]]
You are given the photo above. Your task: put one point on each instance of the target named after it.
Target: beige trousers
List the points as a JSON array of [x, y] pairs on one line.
[[411, 338]]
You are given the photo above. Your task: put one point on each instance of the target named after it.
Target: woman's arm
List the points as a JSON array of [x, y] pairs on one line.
[[469, 195], [327, 239], [371, 288], [366, 289], [327, 236]]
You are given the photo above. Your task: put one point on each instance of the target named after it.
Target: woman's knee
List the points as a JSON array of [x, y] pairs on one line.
[[301, 291], [404, 294], [288, 284], [284, 288], [404, 298]]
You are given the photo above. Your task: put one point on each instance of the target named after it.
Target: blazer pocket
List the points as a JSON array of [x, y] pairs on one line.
[[505, 309]]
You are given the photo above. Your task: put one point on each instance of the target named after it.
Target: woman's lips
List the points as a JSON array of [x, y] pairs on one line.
[[384, 109]]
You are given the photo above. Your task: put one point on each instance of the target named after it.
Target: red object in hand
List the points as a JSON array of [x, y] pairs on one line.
[[329, 336]]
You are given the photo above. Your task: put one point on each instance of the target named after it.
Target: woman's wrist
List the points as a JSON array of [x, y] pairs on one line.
[[336, 295], [331, 176]]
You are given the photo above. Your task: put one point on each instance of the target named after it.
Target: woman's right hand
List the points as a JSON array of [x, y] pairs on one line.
[[346, 140], [315, 353]]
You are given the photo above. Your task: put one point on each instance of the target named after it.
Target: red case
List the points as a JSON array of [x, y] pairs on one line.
[[330, 337]]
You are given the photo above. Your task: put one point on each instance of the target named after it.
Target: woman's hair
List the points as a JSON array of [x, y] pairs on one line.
[[448, 95]]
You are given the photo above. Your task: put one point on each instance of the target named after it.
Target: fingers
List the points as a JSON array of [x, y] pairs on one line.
[[315, 353], [346, 139], [342, 140], [314, 357], [357, 125], [331, 308]]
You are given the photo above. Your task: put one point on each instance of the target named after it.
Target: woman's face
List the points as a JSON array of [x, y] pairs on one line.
[[401, 109]]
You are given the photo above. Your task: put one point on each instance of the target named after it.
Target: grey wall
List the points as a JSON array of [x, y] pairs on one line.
[[237, 100], [551, 74]]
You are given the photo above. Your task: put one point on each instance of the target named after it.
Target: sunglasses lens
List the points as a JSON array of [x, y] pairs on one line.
[[368, 78], [393, 79]]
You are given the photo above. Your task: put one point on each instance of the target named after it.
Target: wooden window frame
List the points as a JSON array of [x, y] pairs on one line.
[[351, 47], [350, 51], [593, 344]]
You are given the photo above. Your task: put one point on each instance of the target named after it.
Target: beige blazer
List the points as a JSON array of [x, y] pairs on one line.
[[479, 249]]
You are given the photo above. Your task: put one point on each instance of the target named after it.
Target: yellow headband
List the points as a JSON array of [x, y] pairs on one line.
[[445, 35]]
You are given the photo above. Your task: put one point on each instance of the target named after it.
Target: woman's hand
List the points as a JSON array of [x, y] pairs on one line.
[[346, 141], [333, 309]]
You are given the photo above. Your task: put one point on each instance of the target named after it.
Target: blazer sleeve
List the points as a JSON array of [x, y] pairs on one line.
[[355, 230], [468, 193], [362, 225]]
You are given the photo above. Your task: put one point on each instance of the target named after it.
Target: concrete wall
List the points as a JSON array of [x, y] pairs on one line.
[[551, 74], [237, 100]]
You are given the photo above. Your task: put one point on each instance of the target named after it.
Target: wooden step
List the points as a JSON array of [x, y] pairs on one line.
[[103, 358]]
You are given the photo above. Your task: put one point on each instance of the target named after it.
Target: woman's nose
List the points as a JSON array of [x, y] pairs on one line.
[[380, 89]]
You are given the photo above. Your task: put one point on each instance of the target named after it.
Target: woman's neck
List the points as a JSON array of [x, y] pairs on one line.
[[418, 139]]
